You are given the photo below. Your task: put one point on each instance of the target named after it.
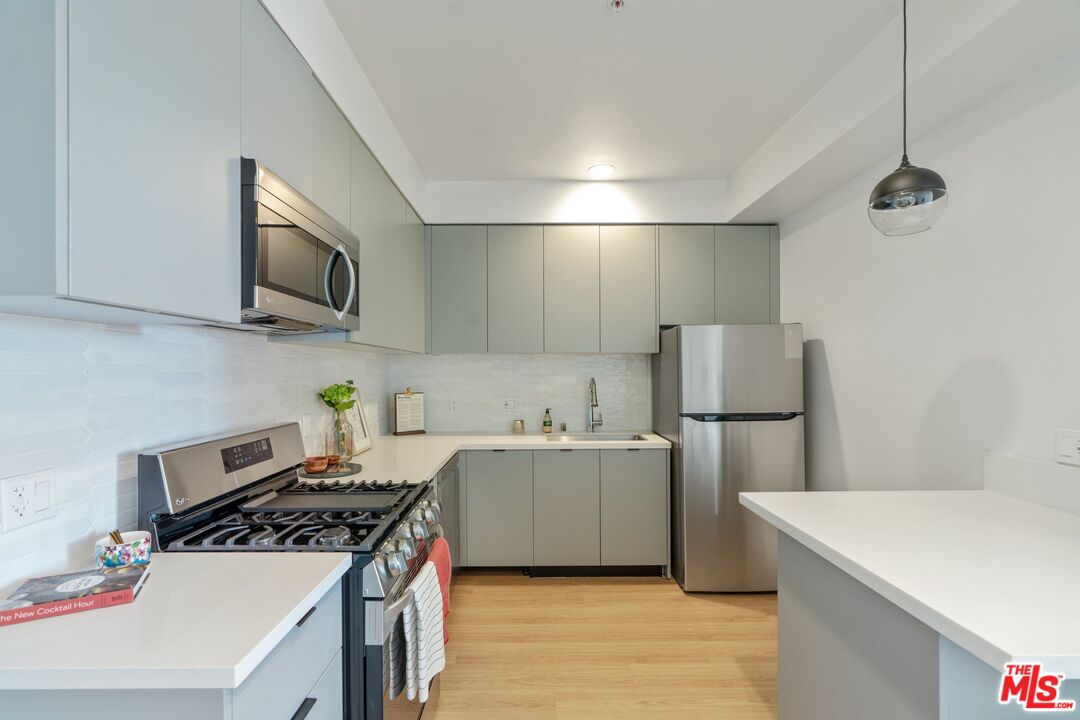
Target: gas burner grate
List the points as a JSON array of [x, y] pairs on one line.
[[274, 536], [346, 487]]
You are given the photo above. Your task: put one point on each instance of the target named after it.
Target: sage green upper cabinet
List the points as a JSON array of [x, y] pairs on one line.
[[743, 274], [330, 138], [459, 289], [154, 114], [411, 270], [515, 280], [276, 93], [571, 289], [628, 289], [687, 274]]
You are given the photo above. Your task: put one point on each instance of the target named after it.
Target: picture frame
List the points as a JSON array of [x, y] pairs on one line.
[[362, 438]]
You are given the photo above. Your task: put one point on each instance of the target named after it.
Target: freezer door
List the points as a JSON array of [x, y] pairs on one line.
[[740, 368], [720, 546]]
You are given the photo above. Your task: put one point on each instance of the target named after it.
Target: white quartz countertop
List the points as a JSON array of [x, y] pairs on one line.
[[995, 575], [416, 458], [202, 620]]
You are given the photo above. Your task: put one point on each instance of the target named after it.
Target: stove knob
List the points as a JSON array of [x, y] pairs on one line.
[[417, 515], [396, 563], [431, 515], [407, 547], [419, 531], [436, 506]]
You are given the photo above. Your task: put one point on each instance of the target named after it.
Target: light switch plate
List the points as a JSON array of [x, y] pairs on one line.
[[455, 404], [1068, 446], [509, 404], [27, 499]]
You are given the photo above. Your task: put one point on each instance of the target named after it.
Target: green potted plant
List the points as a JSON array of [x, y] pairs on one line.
[[339, 397]]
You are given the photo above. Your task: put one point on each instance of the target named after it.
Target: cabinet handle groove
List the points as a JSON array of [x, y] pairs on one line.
[[304, 619], [305, 708]]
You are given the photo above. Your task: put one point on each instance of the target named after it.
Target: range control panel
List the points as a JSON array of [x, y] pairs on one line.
[[238, 457]]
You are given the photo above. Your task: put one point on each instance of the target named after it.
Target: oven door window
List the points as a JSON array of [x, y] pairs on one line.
[[289, 258]]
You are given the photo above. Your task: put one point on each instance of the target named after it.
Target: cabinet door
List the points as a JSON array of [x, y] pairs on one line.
[[633, 507], [742, 274], [566, 507], [572, 289], [628, 289], [459, 289], [377, 217], [449, 489], [499, 508], [276, 91], [328, 694], [151, 124], [515, 272], [687, 274], [410, 270], [330, 156]]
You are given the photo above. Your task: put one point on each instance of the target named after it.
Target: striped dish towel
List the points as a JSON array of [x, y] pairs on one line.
[[394, 660], [424, 654]]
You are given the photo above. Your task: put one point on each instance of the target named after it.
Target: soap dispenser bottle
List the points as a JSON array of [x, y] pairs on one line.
[[547, 420]]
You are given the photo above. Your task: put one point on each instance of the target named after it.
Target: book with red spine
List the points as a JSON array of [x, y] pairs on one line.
[[55, 595]]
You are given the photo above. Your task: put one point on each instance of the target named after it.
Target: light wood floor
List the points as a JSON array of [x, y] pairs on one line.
[[595, 648]]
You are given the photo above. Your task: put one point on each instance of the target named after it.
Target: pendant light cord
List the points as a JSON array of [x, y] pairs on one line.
[[904, 161]]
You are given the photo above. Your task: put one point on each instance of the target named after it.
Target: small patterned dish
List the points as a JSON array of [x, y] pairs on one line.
[[135, 550]]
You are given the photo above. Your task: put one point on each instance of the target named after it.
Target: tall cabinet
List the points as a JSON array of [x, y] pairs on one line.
[[628, 289]]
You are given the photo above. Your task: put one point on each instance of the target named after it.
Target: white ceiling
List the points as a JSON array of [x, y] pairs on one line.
[[665, 90]]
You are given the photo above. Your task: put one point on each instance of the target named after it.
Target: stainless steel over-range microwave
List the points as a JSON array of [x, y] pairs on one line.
[[299, 266]]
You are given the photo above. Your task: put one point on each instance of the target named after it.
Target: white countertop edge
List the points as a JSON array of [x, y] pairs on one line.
[[165, 678], [259, 653], [989, 653]]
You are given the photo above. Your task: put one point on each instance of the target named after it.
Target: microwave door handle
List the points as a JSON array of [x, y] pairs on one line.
[[352, 281], [328, 281]]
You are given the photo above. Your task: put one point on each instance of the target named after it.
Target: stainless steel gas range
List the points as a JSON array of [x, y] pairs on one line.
[[242, 493]]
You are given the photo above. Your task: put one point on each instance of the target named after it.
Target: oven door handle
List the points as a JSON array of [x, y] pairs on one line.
[[390, 615]]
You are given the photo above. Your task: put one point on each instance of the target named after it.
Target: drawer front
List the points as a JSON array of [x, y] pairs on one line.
[[284, 679], [327, 695]]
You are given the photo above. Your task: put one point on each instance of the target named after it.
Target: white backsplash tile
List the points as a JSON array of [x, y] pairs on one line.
[[534, 382], [85, 399]]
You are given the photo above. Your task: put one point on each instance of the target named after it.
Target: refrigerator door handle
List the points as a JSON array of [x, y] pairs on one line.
[[742, 417]]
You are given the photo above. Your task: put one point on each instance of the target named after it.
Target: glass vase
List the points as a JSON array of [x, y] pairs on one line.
[[340, 444]]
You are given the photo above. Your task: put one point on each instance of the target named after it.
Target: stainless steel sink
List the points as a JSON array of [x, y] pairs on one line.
[[596, 437]]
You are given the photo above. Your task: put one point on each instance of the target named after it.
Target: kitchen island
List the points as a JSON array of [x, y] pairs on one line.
[[908, 605], [211, 635]]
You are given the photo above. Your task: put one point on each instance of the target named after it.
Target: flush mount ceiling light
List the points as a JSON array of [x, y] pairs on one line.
[[617, 5], [600, 172], [910, 199]]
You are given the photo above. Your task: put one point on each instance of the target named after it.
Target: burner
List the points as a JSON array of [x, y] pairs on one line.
[[334, 536]]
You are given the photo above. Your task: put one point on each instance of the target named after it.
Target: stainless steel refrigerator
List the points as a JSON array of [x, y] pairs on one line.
[[730, 400]]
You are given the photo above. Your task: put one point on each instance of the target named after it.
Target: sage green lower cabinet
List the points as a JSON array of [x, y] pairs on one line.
[[459, 289], [633, 507], [566, 507], [628, 289], [743, 274], [499, 508]]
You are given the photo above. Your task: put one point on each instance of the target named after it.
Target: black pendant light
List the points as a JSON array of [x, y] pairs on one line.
[[910, 199]]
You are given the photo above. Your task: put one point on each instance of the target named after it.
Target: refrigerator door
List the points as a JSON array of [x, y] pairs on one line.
[[721, 546], [740, 368]]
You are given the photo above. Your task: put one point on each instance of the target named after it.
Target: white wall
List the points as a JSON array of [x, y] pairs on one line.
[[535, 382], [85, 399], [926, 350], [559, 201]]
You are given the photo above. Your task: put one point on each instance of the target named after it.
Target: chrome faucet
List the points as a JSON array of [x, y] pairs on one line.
[[594, 418]]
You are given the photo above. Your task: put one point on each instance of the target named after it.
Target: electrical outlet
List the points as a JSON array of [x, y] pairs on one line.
[[455, 404], [27, 499], [1068, 447], [509, 404]]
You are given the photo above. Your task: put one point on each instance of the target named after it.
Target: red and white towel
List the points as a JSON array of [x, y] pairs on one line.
[[440, 558]]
